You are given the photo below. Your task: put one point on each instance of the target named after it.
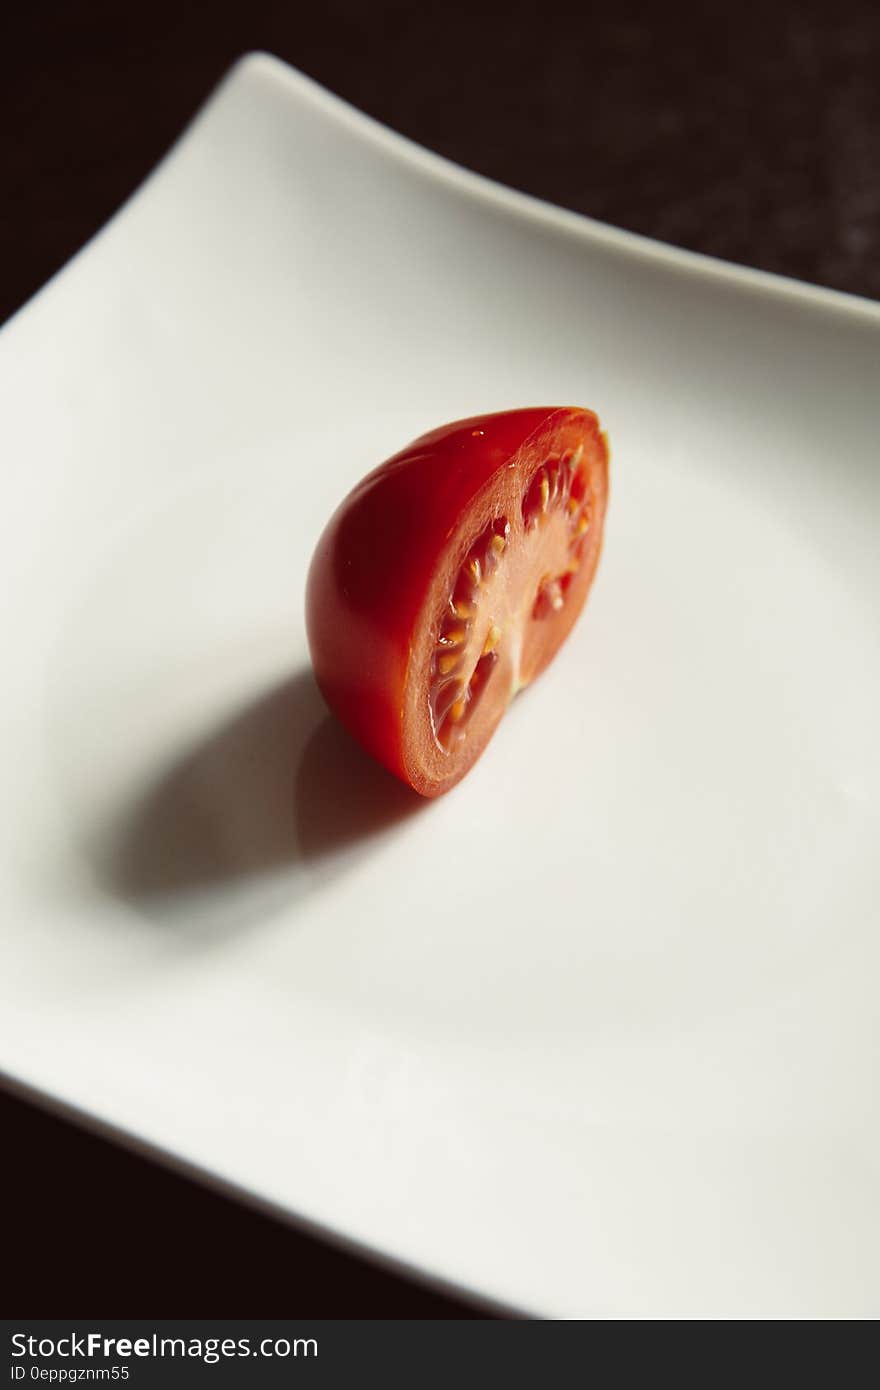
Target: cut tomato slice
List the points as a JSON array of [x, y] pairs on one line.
[[449, 577]]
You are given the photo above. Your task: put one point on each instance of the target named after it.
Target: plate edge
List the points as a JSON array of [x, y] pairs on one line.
[[262, 66]]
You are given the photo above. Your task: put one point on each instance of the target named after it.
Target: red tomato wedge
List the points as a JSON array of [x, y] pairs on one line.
[[448, 579]]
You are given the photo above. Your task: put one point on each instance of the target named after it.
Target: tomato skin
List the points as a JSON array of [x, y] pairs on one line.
[[375, 563]]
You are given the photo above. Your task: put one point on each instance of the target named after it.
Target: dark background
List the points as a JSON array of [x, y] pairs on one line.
[[751, 133]]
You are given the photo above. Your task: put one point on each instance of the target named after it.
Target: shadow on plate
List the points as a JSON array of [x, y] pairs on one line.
[[224, 834]]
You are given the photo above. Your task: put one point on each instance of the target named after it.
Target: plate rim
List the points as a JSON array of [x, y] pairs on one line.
[[50, 1102], [264, 66], [531, 208]]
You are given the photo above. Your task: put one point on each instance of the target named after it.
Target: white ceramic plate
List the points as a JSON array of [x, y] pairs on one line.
[[597, 1033]]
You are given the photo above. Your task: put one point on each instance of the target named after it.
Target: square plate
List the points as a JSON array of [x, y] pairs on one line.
[[596, 1033]]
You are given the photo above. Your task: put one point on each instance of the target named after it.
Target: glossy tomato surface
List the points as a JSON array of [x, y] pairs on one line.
[[448, 579]]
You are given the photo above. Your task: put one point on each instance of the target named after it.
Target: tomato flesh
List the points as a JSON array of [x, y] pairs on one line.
[[449, 577]]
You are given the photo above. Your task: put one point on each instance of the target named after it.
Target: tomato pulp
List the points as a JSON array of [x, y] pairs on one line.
[[448, 579]]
